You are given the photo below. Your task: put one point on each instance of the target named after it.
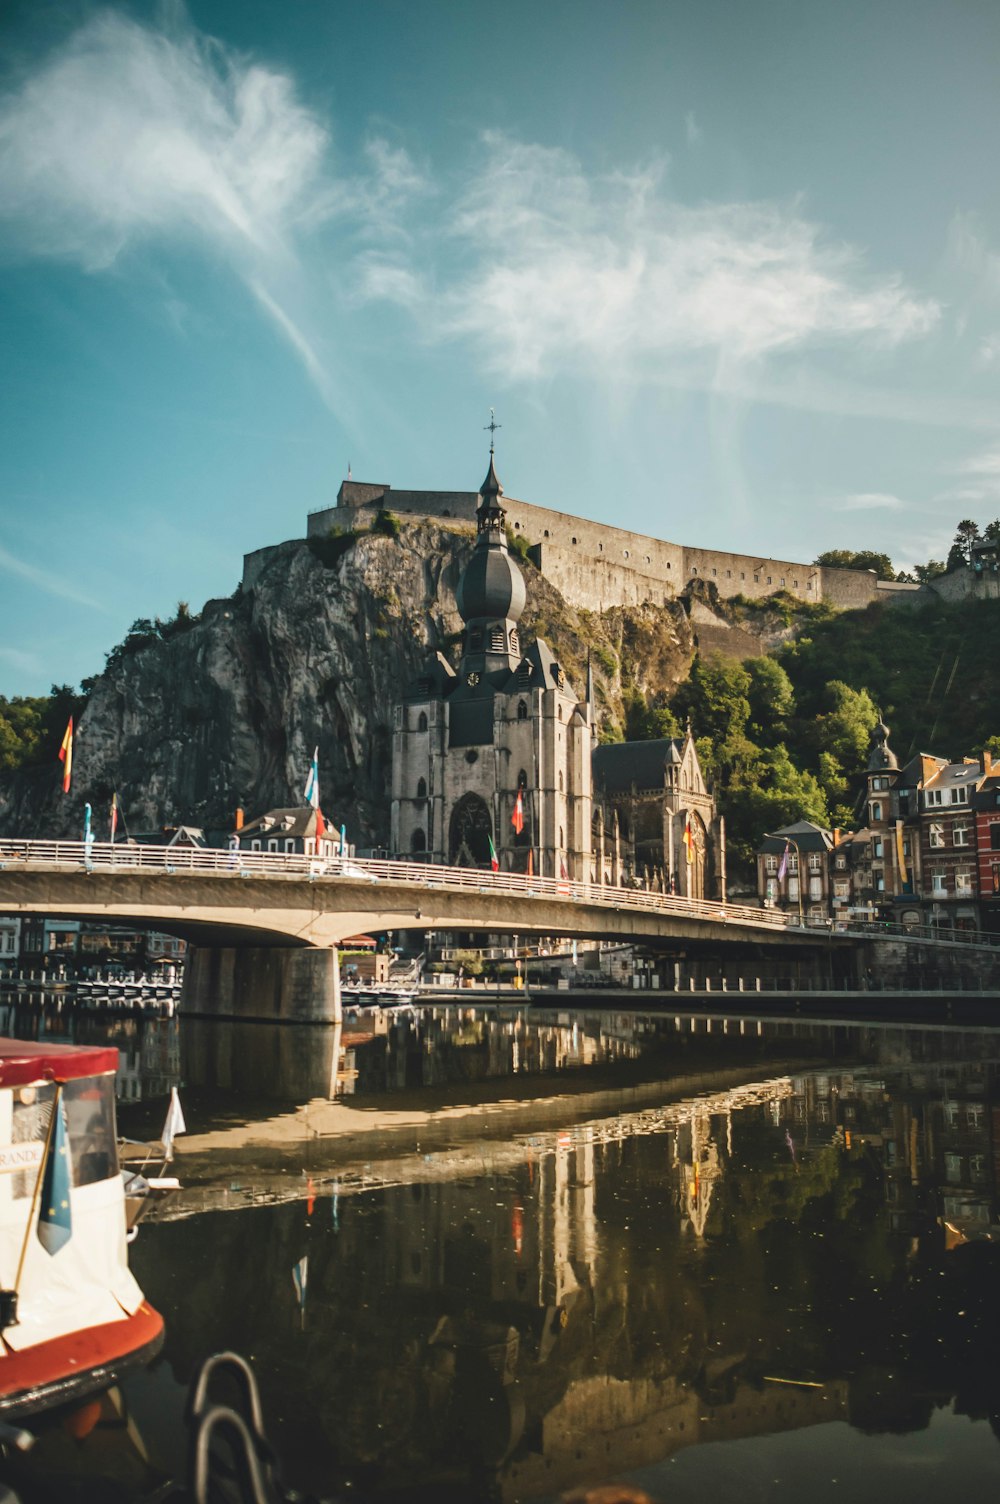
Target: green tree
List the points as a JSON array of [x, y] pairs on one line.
[[845, 726], [646, 722], [966, 534], [771, 697], [929, 571], [716, 697], [865, 558]]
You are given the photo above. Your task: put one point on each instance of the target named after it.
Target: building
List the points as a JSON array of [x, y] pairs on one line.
[[986, 817], [497, 765], [292, 832], [794, 870]]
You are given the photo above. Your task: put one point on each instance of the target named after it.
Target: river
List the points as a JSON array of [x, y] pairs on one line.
[[501, 1252]]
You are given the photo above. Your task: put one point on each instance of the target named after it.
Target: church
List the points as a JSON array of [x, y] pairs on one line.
[[497, 765]]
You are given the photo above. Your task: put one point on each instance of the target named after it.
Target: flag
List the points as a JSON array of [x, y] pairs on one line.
[[66, 755], [320, 825], [531, 862], [517, 818], [88, 829], [173, 1125], [901, 855], [55, 1215], [494, 859], [114, 815], [562, 870], [312, 782], [689, 839], [783, 864]]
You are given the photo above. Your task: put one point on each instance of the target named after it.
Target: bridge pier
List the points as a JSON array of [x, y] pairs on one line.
[[293, 985]]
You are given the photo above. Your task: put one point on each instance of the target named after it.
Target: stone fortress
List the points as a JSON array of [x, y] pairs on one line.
[[597, 566]]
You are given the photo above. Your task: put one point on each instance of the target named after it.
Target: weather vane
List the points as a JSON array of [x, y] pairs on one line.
[[492, 427]]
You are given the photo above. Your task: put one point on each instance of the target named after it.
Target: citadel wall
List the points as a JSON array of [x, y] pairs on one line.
[[595, 565]]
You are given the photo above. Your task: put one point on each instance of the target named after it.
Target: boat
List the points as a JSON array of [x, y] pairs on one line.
[[72, 1317]]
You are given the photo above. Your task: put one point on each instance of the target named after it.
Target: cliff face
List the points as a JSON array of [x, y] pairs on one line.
[[315, 654]]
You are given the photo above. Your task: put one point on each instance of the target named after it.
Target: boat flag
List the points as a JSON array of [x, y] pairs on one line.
[[55, 1215], [689, 839], [517, 818], [312, 782], [174, 1124], [783, 864], [114, 815], [66, 755], [494, 859]]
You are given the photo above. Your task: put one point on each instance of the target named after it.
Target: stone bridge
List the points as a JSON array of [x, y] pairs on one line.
[[265, 927]]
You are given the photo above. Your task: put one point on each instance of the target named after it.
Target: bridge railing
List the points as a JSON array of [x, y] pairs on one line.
[[105, 856]]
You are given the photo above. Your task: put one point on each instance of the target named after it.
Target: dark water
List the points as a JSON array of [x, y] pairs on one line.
[[711, 1258]]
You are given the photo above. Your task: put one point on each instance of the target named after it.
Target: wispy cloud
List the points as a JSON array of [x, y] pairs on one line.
[[550, 270], [871, 501], [26, 663], [51, 583], [693, 132]]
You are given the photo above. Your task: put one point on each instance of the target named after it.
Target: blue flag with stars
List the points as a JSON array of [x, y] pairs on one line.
[[55, 1216]]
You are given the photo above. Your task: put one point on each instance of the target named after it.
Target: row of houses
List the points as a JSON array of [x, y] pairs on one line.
[[927, 853]]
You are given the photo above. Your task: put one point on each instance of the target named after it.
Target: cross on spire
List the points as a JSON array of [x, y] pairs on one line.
[[491, 427]]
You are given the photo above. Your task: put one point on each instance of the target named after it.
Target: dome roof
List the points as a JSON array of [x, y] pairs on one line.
[[491, 584]]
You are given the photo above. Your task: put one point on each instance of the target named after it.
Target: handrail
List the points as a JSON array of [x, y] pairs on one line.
[[119, 857]]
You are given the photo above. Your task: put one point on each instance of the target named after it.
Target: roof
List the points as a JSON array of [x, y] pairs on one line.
[[619, 765], [300, 821], [803, 834], [538, 669], [23, 1062], [954, 774]]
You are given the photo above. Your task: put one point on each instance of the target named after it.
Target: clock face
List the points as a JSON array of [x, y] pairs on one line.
[[472, 680]]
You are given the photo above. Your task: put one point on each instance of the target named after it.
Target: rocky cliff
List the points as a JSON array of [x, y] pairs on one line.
[[316, 653]]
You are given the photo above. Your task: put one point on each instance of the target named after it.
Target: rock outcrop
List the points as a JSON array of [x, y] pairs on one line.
[[316, 653]]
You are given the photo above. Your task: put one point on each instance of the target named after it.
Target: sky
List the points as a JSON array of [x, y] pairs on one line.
[[728, 272]]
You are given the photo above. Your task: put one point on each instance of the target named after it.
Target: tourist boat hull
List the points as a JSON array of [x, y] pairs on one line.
[[72, 1317]]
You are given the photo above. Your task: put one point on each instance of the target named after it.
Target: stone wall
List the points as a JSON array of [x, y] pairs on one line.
[[597, 566]]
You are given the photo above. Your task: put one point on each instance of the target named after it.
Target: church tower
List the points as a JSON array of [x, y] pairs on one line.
[[492, 763]]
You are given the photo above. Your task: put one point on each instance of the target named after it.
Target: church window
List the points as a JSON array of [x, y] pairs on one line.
[[558, 712], [522, 711], [561, 784], [498, 640], [522, 779], [515, 646], [422, 721], [562, 841], [421, 788], [418, 841]]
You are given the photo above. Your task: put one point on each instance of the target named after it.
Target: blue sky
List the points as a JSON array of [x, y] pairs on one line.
[[729, 272]]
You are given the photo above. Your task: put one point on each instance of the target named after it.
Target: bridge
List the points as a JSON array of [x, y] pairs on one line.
[[267, 925]]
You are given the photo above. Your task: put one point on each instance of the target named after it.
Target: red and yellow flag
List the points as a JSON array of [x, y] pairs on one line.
[[517, 818], [114, 815], [689, 839], [66, 756]]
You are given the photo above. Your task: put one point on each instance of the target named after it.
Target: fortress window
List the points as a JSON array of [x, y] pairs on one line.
[[517, 527], [647, 559], [769, 579], [795, 584], [421, 788], [600, 548], [422, 721], [715, 571], [729, 574], [418, 841], [625, 552], [669, 565], [546, 533], [572, 540], [522, 711], [756, 579], [782, 580], [742, 575], [498, 640], [810, 585], [694, 569]]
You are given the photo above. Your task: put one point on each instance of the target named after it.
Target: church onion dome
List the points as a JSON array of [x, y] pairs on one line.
[[881, 756], [491, 586]]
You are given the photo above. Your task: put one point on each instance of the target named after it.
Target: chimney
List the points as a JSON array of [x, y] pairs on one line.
[[836, 837], [987, 763], [239, 817]]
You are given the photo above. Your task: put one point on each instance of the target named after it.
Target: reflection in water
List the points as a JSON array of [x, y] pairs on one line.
[[510, 1319], [149, 1048]]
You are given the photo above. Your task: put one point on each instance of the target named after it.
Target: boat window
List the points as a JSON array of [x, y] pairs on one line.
[[90, 1119]]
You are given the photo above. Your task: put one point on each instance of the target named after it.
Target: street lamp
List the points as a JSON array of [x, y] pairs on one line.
[[770, 836]]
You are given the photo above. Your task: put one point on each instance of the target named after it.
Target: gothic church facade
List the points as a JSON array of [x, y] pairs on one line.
[[497, 765]]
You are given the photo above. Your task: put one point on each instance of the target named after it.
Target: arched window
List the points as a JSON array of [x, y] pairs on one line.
[[522, 711], [522, 779], [560, 788], [418, 841], [876, 810], [421, 788], [422, 721]]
